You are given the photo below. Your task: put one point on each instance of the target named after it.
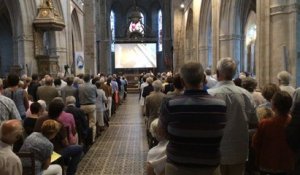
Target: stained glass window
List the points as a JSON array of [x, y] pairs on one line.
[[112, 28], [159, 31]]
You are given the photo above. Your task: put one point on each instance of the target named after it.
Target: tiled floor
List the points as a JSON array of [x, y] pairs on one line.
[[122, 148]]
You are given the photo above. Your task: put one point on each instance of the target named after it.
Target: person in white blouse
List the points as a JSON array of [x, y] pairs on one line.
[[157, 157]]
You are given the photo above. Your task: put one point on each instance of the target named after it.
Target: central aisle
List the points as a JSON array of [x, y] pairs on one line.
[[121, 149]]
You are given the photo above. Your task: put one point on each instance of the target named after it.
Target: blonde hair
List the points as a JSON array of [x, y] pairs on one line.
[[50, 128], [264, 113]]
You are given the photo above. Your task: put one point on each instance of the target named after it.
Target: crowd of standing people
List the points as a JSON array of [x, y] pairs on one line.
[[220, 124], [48, 115]]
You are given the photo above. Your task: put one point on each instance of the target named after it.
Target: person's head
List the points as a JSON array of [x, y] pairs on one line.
[[155, 131], [69, 81], [178, 82], [269, 90], [192, 74], [43, 104], [169, 79], [56, 107], [264, 113], [149, 80], [157, 85], [70, 100], [57, 82], [249, 84], [238, 82], [281, 102], [48, 80], [11, 131], [284, 78], [35, 77], [86, 78], [226, 69], [50, 128], [98, 84], [36, 108], [208, 71], [13, 80]]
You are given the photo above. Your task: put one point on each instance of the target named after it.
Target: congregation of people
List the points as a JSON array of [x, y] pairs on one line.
[[47, 116], [200, 123]]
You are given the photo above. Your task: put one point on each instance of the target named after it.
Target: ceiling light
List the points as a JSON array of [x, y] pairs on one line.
[[182, 5]]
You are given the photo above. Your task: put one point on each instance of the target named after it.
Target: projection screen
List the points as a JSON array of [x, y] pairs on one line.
[[135, 55]]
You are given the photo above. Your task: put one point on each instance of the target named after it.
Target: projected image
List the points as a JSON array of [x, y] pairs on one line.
[[138, 55]]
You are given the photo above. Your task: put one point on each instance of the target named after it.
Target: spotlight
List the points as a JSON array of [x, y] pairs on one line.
[[182, 5]]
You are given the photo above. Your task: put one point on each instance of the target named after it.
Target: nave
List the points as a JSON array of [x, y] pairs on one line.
[[122, 148]]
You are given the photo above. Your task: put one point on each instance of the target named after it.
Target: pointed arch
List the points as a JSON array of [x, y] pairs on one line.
[[76, 31]]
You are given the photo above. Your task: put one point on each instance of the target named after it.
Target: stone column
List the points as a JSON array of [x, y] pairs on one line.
[[178, 28], [90, 37], [167, 36], [103, 38], [278, 35]]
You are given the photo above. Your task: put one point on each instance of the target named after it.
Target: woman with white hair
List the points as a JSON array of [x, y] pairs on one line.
[[284, 78], [157, 157]]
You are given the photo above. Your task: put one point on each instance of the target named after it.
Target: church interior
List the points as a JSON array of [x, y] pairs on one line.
[[64, 38]]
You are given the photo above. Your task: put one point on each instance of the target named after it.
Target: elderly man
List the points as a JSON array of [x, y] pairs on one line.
[[152, 104], [7, 107], [194, 124], [10, 163], [87, 98], [240, 113]]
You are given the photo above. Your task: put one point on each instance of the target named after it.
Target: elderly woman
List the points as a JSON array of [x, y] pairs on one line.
[[284, 78], [157, 157], [40, 145], [273, 154]]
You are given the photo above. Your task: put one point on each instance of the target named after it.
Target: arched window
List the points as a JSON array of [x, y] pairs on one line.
[[159, 31], [112, 29]]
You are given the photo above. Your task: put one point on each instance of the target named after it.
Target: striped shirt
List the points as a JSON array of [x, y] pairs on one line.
[[194, 123]]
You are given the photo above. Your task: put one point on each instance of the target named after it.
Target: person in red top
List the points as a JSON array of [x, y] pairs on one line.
[[273, 155]]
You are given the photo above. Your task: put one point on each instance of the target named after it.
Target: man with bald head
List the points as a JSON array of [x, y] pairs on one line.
[[10, 132]]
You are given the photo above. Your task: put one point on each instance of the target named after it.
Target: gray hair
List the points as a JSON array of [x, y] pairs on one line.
[[227, 67], [157, 85], [154, 128], [149, 80], [284, 77], [70, 100], [43, 104], [192, 73]]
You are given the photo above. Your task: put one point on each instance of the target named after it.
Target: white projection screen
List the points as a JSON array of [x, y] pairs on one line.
[[135, 55]]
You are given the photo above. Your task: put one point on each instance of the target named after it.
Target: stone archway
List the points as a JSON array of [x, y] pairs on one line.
[[76, 40], [6, 40]]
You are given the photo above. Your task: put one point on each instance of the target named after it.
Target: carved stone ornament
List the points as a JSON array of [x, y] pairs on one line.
[[48, 18]]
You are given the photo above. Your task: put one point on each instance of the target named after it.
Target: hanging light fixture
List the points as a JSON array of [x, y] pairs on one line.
[[182, 4]]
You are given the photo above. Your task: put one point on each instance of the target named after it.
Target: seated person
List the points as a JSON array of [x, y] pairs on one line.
[[40, 145], [71, 154], [29, 121], [157, 157], [79, 117], [10, 132]]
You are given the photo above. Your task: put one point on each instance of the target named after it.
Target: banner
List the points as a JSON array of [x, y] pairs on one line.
[[79, 63]]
